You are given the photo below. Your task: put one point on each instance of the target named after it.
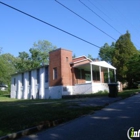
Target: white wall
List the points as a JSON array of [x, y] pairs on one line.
[[55, 92], [86, 88], [82, 89], [67, 90], [13, 87], [42, 84], [100, 87], [19, 87], [26, 83], [35, 90]]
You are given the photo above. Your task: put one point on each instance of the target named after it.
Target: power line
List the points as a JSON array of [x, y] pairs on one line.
[[49, 24], [85, 20], [100, 17], [123, 16], [99, 9]]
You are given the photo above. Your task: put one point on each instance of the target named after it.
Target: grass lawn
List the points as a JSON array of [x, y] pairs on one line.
[[128, 93], [19, 115], [16, 115]]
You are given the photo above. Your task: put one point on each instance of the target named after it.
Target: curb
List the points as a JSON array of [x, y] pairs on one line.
[[44, 125]]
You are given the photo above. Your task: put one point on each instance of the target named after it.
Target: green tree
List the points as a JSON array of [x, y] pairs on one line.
[[7, 67], [23, 62], [90, 57], [124, 50], [42, 49], [74, 56], [133, 72], [38, 56], [106, 52]]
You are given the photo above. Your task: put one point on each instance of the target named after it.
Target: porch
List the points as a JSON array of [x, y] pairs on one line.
[[93, 77]]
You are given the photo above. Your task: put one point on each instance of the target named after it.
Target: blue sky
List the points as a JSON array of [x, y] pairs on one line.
[[18, 32]]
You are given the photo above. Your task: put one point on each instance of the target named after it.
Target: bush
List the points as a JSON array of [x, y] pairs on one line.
[[102, 92], [4, 92], [138, 86]]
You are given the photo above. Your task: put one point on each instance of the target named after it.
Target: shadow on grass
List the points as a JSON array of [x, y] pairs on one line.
[[112, 123]]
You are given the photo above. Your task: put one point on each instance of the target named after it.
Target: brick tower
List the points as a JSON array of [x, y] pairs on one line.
[[59, 68]]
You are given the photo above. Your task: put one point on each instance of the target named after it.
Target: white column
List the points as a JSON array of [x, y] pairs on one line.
[[100, 74], [91, 77], [25, 84], [91, 74], [19, 87], [108, 76], [115, 75], [42, 84], [33, 84]]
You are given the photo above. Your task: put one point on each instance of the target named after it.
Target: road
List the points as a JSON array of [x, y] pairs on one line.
[[110, 123]]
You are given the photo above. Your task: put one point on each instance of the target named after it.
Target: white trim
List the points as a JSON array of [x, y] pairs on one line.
[[103, 64], [91, 73], [115, 75], [108, 76], [100, 74]]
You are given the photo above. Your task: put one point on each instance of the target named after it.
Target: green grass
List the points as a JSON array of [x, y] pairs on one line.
[[16, 115], [128, 93]]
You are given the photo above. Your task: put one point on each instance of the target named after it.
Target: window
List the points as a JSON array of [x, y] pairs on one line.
[[54, 73], [38, 78], [22, 79], [96, 75], [46, 74], [67, 59], [29, 77]]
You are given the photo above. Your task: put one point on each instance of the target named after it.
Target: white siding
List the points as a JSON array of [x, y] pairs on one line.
[[13, 86], [82, 89], [42, 84], [26, 83], [55, 92]]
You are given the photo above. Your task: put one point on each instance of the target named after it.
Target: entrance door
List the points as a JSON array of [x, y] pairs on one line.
[[88, 78]]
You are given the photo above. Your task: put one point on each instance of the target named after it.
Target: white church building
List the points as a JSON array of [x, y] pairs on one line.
[[63, 76]]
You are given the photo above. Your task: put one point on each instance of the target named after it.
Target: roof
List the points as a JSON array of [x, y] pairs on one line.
[[103, 64], [83, 56], [30, 70]]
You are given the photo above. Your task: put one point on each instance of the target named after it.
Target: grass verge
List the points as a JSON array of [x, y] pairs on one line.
[[15, 117], [128, 93]]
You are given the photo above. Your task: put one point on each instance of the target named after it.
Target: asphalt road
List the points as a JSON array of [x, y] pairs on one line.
[[110, 123]]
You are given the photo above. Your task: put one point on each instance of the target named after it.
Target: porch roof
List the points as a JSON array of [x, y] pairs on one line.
[[103, 64]]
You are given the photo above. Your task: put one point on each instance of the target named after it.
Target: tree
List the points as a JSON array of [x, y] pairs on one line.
[[43, 48], [38, 56], [7, 67], [23, 62], [124, 50], [133, 72], [106, 52], [90, 57], [74, 56]]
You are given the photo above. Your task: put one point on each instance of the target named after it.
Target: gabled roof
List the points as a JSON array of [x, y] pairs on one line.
[[81, 58], [102, 64]]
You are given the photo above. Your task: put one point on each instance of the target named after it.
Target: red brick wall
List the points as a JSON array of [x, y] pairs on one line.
[[60, 59], [79, 59], [66, 59], [66, 75]]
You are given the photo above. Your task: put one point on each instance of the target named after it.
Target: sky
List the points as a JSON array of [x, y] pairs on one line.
[[19, 32]]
